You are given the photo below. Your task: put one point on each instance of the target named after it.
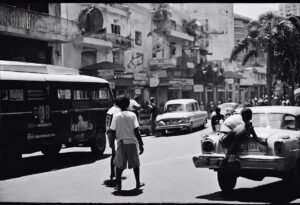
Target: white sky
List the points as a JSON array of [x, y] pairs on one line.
[[253, 10]]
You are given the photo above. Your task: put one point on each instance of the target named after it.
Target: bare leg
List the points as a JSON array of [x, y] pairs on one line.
[[112, 166]]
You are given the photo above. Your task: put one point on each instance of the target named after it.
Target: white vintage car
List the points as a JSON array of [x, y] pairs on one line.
[[280, 126], [181, 114]]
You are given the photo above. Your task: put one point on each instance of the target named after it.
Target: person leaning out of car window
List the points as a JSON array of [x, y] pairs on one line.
[[236, 128], [217, 119]]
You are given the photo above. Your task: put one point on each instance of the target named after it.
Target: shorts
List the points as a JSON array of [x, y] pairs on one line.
[[127, 153]]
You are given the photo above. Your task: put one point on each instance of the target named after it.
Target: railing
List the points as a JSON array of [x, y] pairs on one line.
[[24, 19], [117, 40]]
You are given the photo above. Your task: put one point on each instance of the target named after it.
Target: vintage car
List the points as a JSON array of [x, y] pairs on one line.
[[279, 126], [180, 114]]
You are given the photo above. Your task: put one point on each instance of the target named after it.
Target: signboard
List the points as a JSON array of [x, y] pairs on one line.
[[140, 76], [175, 86], [198, 88], [139, 82], [185, 81], [159, 73], [187, 87], [163, 62], [190, 65], [153, 82]]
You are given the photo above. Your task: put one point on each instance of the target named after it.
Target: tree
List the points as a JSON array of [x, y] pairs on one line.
[[266, 35]]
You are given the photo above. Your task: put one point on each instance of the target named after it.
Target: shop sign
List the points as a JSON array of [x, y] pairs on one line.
[[175, 86], [229, 80], [105, 73], [137, 91], [187, 87], [163, 62], [153, 82], [171, 82], [198, 88], [139, 82], [112, 85], [140, 76], [159, 73], [185, 81], [190, 65]]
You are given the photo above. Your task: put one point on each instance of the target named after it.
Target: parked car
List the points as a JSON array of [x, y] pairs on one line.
[[280, 158], [181, 114]]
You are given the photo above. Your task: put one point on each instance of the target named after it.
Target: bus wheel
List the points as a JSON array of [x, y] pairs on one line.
[[51, 150], [98, 144]]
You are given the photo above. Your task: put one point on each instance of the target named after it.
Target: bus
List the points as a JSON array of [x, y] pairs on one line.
[[46, 107]]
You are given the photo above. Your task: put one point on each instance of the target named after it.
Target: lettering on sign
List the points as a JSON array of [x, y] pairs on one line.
[[198, 88]]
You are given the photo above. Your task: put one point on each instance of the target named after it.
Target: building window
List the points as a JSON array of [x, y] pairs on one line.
[[88, 57], [138, 38], [172, 49], [116, 29], [154, 55], [118, 57]]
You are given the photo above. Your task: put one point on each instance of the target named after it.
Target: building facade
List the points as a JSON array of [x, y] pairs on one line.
[[287, 9]]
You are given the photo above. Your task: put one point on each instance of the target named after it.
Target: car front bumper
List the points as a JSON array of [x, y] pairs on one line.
[[248, 162], [173, 127]]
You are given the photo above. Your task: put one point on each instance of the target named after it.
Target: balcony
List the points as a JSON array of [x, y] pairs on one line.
[[179, 36], [29, 24]]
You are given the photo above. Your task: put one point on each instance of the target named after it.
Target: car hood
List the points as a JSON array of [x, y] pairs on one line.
[[172, 115], [269, 132]]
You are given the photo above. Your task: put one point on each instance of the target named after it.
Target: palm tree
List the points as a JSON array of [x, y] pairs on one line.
[[263, 37]]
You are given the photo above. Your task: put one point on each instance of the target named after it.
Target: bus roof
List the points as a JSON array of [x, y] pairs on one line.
[[23, 76]]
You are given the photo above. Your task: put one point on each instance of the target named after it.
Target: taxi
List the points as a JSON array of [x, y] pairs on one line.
[[181, 114], [280, 127]]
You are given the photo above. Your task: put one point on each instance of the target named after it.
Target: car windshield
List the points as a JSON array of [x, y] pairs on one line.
[[174, 108], [274, 120]]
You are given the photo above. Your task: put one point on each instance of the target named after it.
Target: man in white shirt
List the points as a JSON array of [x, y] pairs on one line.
[[125, 128], [109, 115], [134, 106]]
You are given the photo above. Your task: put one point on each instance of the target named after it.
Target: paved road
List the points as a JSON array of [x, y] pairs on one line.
[[167, 170]]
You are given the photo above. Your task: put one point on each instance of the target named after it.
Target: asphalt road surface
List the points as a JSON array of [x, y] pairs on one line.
[[166, 168]]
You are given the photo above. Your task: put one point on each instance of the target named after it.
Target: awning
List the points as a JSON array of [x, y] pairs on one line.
[[106, 65]]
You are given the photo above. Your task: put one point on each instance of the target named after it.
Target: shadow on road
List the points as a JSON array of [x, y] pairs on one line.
[[131, 192], [39, 164], [276, 192]]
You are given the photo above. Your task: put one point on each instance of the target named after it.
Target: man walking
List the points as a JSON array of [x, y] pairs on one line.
[[153, 111], [215, 120], [125, 128], [109, 115]]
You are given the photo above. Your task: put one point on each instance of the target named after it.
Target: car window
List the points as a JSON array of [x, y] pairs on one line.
[[174, 108], [197, 106], [189, 108], [274, 120]]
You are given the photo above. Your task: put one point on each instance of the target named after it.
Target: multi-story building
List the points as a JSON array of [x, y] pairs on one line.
[[35, 33], [287, 9]]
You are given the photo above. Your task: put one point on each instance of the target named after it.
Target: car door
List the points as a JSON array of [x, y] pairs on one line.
[[197, 113]]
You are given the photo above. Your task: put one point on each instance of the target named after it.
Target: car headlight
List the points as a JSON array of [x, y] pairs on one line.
[[160, 123], [208, 145]]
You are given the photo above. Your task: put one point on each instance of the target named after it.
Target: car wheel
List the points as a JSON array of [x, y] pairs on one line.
[[98, 144], [227, 181], [51, 150], [160, 133]]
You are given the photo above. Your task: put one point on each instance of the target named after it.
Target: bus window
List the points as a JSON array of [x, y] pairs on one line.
[[80, 94], [35, 95], [16, 95], [101, 94], [63, 94], [3, 94]]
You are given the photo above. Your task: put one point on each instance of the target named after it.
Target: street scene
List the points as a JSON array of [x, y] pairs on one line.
[[150, 103]]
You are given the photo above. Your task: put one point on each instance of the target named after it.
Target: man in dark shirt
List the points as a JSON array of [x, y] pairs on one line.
[[153, 111], [215, 119]]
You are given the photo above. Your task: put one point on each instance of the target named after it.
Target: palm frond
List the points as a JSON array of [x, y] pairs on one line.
[[250, 54], [242, 46]]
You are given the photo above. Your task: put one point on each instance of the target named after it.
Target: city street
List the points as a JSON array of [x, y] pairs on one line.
[[166, 168]]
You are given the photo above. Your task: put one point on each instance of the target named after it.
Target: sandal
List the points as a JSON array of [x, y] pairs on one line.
[[139, 185]]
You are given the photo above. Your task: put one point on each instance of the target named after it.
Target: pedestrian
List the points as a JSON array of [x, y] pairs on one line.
[[236, 128], [134, 106], [216, 119], [125, 128], [153, 111], [109, 115]]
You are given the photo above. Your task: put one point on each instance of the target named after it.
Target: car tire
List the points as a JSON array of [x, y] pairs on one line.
[[98, 143], [51, 150], [227, 181], [160, 133]]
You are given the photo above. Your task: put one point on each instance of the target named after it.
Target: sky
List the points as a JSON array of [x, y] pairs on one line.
[[253, 10]]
